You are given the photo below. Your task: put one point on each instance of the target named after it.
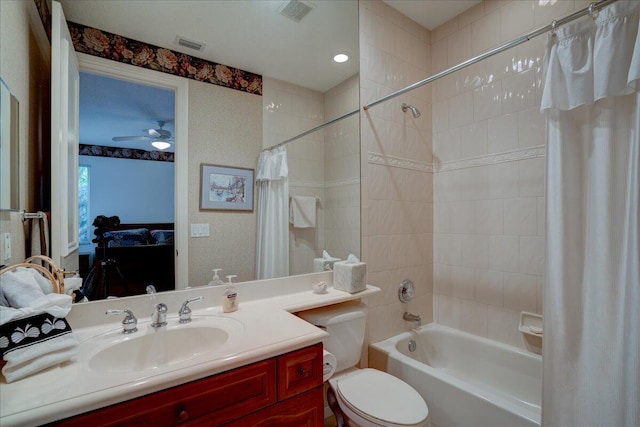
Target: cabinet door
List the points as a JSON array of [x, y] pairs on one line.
[[299, 371], [224, 397], [304, 410]]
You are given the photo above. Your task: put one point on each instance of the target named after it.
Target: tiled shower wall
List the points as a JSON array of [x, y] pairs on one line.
[[489, 167], [290, 110], [341, 205], [396, 167], [331, 153]]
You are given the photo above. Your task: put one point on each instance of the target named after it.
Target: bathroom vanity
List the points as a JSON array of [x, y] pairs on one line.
[[285, 391], [260, 365]]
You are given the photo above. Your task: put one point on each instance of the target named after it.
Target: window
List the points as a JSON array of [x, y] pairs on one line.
[[83, 204]]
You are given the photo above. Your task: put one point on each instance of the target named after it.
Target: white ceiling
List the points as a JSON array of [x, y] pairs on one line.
[[431, 13], [110, 107], [247, 34]]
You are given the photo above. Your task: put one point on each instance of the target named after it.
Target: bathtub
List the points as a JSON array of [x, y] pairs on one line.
[[466, 380]]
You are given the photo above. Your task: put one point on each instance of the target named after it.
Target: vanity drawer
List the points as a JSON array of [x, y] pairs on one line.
[[299, 371], [304, 410], [222, 398]]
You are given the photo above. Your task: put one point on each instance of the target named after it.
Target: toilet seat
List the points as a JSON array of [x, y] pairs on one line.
[[381, 399]]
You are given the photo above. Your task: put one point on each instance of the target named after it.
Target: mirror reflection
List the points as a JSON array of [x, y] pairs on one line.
[[9, 144], [302, 88]]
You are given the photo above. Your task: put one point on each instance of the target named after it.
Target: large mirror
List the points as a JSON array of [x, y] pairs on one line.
[[9, 146], [302, 89]]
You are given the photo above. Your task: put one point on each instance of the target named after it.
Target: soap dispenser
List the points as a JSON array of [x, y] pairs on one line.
[[216, 280], [230, 296]]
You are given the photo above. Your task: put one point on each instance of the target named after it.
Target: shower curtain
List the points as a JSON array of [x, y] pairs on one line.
[[591, 344], [272, 241]]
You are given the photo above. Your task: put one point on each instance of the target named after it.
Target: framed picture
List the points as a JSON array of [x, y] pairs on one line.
[[225, 188]]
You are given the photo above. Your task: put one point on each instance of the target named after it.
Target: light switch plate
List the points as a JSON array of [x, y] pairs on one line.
[[199, 230], [6, 239]]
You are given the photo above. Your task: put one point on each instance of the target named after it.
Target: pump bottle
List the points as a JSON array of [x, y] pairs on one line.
[[230, 296]]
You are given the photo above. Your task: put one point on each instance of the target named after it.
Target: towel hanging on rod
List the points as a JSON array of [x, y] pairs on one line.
[[36, 233]]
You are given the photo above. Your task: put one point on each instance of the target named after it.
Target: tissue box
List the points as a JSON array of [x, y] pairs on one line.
[[322, 264], [349, 276]]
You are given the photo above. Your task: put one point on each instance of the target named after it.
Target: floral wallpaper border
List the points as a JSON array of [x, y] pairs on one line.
[[100, 43], [125, 153]]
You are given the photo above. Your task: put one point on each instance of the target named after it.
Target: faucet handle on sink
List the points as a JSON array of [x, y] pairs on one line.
[[129, 324], [185, 311]]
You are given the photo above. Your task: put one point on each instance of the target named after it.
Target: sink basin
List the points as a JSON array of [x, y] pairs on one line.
[[158, 348]]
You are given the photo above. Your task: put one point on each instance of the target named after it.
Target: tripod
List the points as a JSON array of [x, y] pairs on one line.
[[106, 267]]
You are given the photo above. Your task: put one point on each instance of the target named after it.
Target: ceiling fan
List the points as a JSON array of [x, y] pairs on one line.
[[160, 138]]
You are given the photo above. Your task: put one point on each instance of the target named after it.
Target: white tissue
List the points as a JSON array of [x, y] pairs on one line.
[[325, 263], [329, 364], [350, 275], [352, 259]]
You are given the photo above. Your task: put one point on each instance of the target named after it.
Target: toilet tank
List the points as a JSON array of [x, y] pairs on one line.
[[345, 324]]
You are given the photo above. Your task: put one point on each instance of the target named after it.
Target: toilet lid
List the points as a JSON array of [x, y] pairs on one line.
[[380, 397]]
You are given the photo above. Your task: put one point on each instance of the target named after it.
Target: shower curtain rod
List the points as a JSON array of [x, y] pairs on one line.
[[590, 10], [324, 125]]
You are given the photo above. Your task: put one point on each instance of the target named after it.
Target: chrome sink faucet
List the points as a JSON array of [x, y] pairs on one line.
[[159, 316], [185, 311], [129, 324], [412, 318]]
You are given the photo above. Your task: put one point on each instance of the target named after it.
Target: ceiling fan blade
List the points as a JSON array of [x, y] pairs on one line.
[[154, 133], [130, 138]]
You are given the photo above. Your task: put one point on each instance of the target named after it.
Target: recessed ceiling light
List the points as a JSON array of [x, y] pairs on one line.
[[341, 57], [161, 145]]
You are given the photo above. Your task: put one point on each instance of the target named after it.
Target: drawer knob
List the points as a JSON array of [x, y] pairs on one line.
[[183, 414], [302, 372]]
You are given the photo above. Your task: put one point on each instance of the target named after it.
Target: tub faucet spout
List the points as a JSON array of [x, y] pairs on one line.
[[412, 318]]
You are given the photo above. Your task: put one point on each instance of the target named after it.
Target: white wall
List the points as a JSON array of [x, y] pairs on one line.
[[135, 190], [225, 128], [24, 66]]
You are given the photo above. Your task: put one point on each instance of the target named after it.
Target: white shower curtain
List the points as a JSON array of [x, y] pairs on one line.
[[591, 344], [272, 242]]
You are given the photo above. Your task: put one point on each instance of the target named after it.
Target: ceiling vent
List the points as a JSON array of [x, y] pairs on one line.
[[191, 44], [296, 9]]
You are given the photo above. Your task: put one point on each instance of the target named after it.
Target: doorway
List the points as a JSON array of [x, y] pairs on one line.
[[100, 67], [126, 174]]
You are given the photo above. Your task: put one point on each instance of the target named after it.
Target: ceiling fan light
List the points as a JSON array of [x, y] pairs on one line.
[[161, 145]]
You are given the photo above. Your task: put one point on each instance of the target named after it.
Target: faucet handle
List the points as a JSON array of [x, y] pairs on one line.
[[185, 311], [159, 315], [129, 324]]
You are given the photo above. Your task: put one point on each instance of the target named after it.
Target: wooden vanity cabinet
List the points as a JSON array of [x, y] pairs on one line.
[[283, 391]]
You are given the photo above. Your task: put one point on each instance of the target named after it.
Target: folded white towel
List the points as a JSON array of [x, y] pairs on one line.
[[57, 305], [33, 333], [29, 360], [19, 287], [302, 211]]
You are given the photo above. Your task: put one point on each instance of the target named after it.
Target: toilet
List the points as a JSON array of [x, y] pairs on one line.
[[363, 397]]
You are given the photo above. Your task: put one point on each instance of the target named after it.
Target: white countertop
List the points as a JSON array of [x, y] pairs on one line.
[[264, 328]]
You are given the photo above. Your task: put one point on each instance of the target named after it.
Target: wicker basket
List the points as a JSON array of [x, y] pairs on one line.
[[53, 273]]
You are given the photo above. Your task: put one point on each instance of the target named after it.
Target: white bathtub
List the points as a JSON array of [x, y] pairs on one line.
[[466, 380]]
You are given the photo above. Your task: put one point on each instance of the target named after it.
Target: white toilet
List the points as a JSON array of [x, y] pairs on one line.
[[366, 397]]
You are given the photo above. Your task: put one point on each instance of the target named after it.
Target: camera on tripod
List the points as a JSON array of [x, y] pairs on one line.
[[102, 223]]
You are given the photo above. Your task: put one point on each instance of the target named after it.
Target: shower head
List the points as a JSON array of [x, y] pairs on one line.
[[414, 111]]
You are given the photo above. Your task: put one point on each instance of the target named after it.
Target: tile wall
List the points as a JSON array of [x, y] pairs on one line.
[[323, 164], [397, 201], [489, 164], [288, 111], [341, 204]]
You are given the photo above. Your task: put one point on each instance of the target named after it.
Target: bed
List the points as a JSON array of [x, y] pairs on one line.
[[131, 257]]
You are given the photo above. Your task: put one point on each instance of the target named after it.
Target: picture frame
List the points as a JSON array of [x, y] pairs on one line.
[[226, 188]]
